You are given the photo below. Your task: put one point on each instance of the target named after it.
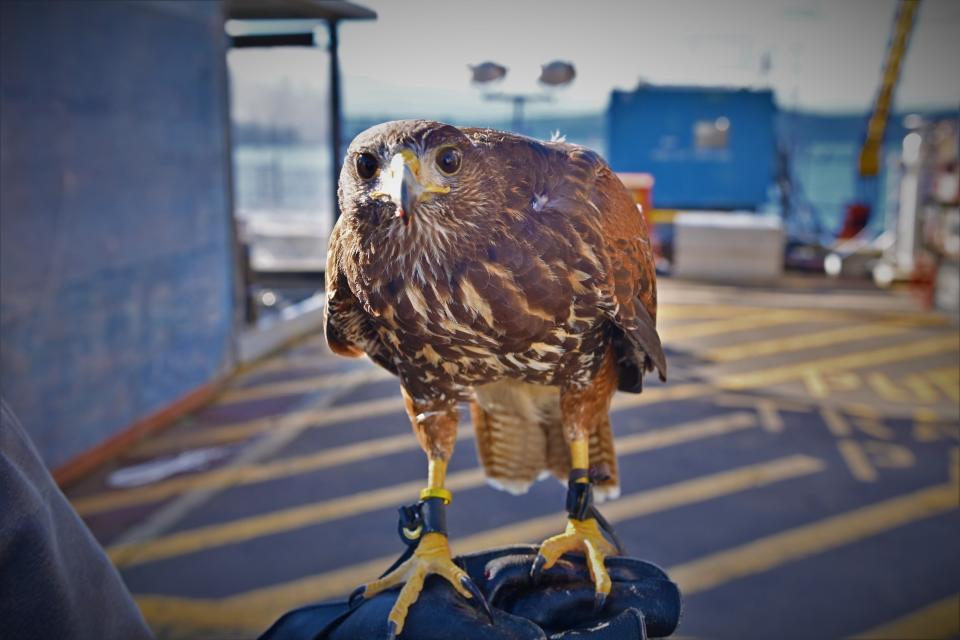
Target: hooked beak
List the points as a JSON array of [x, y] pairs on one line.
[[403, 186]]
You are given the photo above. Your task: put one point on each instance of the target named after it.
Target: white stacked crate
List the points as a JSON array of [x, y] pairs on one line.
[[728, 246]]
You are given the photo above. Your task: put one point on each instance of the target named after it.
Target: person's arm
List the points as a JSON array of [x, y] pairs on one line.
[[55, 580]]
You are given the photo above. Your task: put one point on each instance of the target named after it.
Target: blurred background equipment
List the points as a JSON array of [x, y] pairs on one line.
[[487, 72], [555, 74], [856, 244]]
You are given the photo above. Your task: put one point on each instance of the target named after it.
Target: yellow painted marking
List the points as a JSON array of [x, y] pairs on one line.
[[250, 474], [317, 513], [922, 390], [303, 385], [844, 381], [886, 355], [738, 382], [884, 387], [323, 459], [313, 418], [769, 416], [925, 425], [890, 455], [937, 621], [767, 318], [254, 610], [874, 428], [948, 380], [840, 335], [316, 418], [695, 311], [768, 409], [243, 529], [857, 461], [835, 422], [815, 384], [734, 382], [863, 410], [796, 544]]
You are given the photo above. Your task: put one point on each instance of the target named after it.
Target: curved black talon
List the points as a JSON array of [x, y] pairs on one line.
[[391, 630], [599, 601], [537, 569], [356, 596], [479, 601]]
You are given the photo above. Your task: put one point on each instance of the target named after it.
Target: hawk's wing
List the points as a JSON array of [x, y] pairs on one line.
[[632, 273], [346, 324], [613, 233]]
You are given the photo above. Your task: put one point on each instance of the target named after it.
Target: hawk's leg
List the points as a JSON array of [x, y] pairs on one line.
[[583, 532], [435, 425], [583, 410]]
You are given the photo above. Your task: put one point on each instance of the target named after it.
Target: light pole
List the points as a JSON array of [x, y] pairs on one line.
[[554, 74]]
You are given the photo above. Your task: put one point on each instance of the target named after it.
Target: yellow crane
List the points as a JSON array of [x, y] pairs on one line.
[[870, 152]]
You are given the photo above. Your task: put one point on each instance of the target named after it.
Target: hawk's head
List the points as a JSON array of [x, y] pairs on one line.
[[414, 179]]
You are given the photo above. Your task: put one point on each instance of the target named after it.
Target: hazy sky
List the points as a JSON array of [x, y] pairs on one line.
[[824, 54]]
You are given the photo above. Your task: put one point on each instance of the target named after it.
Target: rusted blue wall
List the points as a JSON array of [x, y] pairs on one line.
[[115, 250]]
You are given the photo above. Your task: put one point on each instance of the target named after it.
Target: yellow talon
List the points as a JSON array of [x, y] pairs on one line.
[[585, 536], [432, 556]]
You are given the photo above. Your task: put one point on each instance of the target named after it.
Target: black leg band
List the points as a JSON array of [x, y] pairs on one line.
[[433, 513], [579, 495]]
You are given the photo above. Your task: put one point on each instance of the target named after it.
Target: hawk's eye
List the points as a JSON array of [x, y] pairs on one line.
[[367, 165], [448, 159]]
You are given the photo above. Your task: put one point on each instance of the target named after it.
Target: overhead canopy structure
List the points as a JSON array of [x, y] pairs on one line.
[[329, 11]]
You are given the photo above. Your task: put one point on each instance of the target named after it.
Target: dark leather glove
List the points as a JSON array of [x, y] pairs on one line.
[[560, 606]]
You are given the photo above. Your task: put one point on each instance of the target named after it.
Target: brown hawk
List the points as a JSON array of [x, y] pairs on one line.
[[514, 274]]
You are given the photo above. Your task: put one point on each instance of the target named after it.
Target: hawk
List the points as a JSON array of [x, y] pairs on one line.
[[485, 267]]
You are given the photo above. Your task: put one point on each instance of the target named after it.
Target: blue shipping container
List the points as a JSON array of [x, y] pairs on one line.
[[707, 148]]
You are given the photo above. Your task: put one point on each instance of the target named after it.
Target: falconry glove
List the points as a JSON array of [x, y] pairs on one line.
[[643, 603]]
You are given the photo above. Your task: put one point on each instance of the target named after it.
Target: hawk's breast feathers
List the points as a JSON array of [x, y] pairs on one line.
[[529, 263]]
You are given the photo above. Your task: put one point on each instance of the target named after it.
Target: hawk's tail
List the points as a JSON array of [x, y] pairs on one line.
[[520, 438]]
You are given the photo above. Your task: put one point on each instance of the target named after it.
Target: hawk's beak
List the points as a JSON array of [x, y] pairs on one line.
[[402, 183]]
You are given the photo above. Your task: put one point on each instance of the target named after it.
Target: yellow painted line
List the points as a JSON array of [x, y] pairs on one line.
[[243, 529], [330, 457], [815, 384], [948, 379], [921, 389], [857, 461], [254, 610], [704, 311], [937, 621], [317, 418], [886, 355], [796, 544], [768, 318], [835, 422], [302, 385], [351, 505], [884, 387], [251, 474], [874, 428], [840, 335], [314, 418]]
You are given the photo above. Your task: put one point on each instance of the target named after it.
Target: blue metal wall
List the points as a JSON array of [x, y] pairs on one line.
[[652, 130], [116, 278]]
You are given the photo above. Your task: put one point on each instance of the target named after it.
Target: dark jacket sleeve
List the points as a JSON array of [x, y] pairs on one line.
[[55, 580]]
